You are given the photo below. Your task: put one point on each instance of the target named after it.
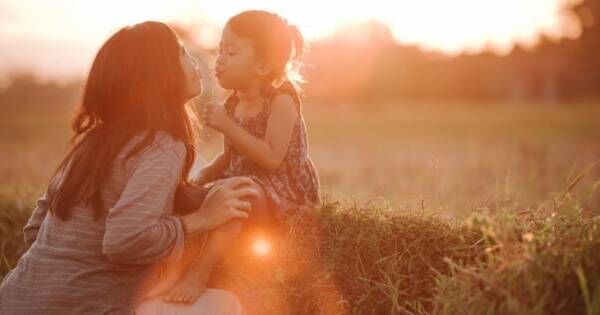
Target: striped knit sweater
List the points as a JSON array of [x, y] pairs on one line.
[[82, 266]]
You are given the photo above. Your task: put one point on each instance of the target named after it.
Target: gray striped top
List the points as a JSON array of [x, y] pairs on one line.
[[81, 266]]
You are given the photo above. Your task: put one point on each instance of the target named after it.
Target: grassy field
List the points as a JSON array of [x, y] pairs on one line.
[[430, 208]]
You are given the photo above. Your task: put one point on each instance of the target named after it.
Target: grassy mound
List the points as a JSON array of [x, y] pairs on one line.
[[348, 259]]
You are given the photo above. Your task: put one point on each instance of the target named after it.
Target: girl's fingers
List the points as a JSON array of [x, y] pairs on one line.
[[235, 182]]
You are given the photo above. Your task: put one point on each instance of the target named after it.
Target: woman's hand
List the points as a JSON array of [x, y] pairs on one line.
[[215, 116], [223, 203]]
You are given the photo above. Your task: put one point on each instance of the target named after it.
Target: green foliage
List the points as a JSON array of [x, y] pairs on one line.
[[541, 262], [12, 220]]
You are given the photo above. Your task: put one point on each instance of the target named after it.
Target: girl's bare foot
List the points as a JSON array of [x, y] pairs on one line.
[[189, 287]]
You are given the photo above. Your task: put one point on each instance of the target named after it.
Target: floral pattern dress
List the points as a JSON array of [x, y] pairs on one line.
[[294, 185]]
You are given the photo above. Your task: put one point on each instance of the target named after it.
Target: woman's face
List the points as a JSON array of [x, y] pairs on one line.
[[191, 70], [237, 66]]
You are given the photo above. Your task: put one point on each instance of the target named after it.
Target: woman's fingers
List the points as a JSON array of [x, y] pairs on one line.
[[246, 192], [237, 214], [243, 205]]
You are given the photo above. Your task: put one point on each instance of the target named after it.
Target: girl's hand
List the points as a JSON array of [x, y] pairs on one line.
[[215, 116]]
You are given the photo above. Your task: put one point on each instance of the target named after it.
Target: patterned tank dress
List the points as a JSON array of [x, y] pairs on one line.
[[294, 185]]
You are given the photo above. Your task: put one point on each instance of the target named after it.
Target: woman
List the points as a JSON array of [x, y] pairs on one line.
[[106, 223]]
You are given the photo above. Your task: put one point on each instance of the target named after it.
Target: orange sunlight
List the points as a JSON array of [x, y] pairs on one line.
[[449, 26], [68, 32]]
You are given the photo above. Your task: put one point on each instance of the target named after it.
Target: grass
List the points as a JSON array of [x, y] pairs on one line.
[[430, 209], [350, 259], [537, 263]]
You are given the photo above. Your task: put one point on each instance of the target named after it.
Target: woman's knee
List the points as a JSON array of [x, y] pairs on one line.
[[211, 302], [222, 302]]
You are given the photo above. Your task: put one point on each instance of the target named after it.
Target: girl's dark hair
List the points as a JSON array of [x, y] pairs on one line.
[[276, 42], [136, 85]]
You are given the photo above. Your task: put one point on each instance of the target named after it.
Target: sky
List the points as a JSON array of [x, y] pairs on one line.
[[58, 38]]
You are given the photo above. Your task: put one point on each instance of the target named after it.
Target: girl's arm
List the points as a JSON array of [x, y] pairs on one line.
[[270, 152]]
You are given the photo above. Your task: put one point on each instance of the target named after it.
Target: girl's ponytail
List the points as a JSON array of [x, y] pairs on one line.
[[297, 43], [295, 61]]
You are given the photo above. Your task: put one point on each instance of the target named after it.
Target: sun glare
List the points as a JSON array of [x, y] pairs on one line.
[[79, 27], [449, 26], [261, 247]]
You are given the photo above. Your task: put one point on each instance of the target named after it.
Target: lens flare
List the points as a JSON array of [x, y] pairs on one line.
[[261, 247]]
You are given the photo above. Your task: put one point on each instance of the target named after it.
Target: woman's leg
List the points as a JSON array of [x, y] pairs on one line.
[[197, 273], [210, 302]]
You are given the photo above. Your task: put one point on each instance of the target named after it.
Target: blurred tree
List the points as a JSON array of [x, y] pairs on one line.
[[24, 89], [364, 63], [588, 45]]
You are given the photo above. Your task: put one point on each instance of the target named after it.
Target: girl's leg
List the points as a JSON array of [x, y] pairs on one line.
[[194, 279]]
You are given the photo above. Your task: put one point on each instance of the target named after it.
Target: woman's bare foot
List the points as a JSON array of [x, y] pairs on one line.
[[189, 287]]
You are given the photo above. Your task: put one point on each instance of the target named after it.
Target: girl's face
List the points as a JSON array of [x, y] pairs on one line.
[[237, 65], [191, 71]]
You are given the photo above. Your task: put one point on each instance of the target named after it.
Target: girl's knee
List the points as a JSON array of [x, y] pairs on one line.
[[260, 205], [232, 227]]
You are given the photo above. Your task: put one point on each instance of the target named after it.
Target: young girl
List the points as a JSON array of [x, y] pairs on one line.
[[265, 134]]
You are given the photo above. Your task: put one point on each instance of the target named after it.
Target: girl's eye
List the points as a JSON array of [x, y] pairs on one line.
[[226, 50]]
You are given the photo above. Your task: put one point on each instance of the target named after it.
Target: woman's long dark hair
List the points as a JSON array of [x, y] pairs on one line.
[[136, 85]]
